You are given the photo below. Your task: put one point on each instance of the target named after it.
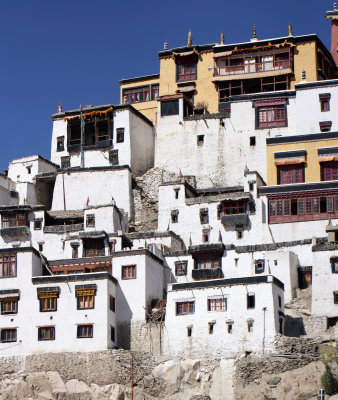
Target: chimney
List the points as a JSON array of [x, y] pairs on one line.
[[333, 16]]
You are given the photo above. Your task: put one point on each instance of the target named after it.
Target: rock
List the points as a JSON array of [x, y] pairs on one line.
[[200, 397], [58, 388], [274, 381], [78, 390]]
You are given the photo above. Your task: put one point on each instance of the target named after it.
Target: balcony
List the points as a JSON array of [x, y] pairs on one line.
[[235, 219], [254, 68], [204, 274], [15, 231], [63, 228]]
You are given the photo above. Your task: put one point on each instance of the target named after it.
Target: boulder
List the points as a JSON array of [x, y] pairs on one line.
[[78, 390]]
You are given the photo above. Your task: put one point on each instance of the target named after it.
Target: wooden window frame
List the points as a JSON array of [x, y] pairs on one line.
[[271, 116], [217, 304], [65, 162], [181, 268], [204, 216], [9, 305], [334, 265], [48, 304], [6, 266], [329, 171], [186, 70], [185, 307], [294, 173], [169, 108], [8, 335], [324, 100], [325, 126], [85, 301], [138, 94], [13, 220], [155, 91], [60, 143], [119, 135], [232, 207], [90, 220], [128, 272], [211, 262], [46, 333], [112, 303], [85, 331]]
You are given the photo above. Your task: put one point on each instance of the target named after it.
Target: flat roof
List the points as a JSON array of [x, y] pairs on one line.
[[139, 78]]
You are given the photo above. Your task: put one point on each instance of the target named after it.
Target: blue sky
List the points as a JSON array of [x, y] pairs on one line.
[[77, 51]]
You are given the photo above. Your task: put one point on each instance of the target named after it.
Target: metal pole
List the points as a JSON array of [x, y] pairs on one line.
[[132, 377]]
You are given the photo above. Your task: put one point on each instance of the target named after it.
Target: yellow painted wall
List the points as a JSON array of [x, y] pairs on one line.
[[305, 59], [312, 165], [147, 108], [205, 90]]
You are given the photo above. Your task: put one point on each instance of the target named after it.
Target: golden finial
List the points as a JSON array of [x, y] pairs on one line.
[[254, 36], [189, 38], [222, 38], [290, 29]]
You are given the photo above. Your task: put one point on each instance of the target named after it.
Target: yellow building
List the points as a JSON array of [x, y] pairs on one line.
[[212, 75]]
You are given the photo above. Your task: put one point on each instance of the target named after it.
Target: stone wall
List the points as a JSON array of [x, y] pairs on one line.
[[147, 337]]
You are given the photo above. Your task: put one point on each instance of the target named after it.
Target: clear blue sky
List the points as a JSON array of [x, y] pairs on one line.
[[76, 51]]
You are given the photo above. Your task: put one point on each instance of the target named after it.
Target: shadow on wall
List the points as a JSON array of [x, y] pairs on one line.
[[124, 316], [294, 326]]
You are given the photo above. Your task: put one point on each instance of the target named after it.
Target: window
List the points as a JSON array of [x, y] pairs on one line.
[[75, 249], [129, 272], [293, 173], [185, 307], [40, 246], [136, 95], [9, 305], [259, 266], [65, 162], [13, 220], [252, 140], [239, 234], [181, 268], [271, 116], [229, 327], [324, 100], [93, 247], [335, 297], [204, 216], [46, 333], [325, 126], [189, 331], [279, 302], [205, 236], [186, 70], [8, 335], [119, 135], [155, 90], [250, 325], [250, 300], [48, 304], [84, 331], [174, 216], [114, 157], [37, 224], [60, 143], [211, 327], [112, 334], [334, 265], [7, 265], [112, 303], [208, 263], [169, 108], [176, 191], [90, 221], [329, 171], [200, 140], [217, 303], [29, 170], [229, 207]]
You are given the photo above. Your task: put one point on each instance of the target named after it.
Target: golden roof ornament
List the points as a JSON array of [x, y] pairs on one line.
[[290, 29], [222, 38], [335, 6], [189, 38], [254, 36]]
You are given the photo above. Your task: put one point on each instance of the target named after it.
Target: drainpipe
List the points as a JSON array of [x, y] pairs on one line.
[[264, 310]]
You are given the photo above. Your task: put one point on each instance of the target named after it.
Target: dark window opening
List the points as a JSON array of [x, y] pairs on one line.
[[330, 322], [169, 108], [281, 324], [112, 334], [230, 207], [200, 140], [239, 234], [119, 135], [8, 335], [186, 70], [40, 247], [189, 331], [46, 333], [250, 300], [335, 297], [205, 237], [334, 265], [252, 140], [89, 133], [174, 216], [211, 328], [251, 186], [112, 303], [279, 302], [114, 157], [250, 326], [37, 224], [229, 328], [93, 247], [60, 143], [65, 162], [84, 331], [259, 266], [177, 191], [325, 126], [204, 216], [181, 268], [90, 221]]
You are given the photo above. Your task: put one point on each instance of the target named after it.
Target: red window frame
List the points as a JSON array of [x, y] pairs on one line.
[[271, 115], [293, 173], [13, 220], [7, 265], [231, 207], [128, 272], [220, 304], [85, 331], [136, 95], [329, 170], [186, 70], [46, 333], [185, 307]]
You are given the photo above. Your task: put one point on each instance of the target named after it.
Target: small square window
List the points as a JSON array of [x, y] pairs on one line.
[[259, 266], [114, 157], [334, 265], [46, 333], [204, 216], [181, 268], [9, 306], [112, 303], [325, 126], [65, 162], [250, 300], [252, 140], [129, 272], [90, 221], [174, 216], [85, 297], [200, 140], [119, 135], [335, 297], [8, 335], [112, 334], [324, 99], [60, 143], [37, 224], [185, 307], [48, 304], [84, 331]]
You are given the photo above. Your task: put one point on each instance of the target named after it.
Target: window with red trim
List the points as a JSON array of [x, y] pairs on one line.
[[186, 70], [271, 116], [129, 272], [324, 100], [293, 173], [325, 126], [229, 207], [185, 307], [329, 170]]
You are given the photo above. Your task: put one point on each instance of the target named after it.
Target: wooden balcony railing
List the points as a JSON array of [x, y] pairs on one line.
[[251, 68]]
